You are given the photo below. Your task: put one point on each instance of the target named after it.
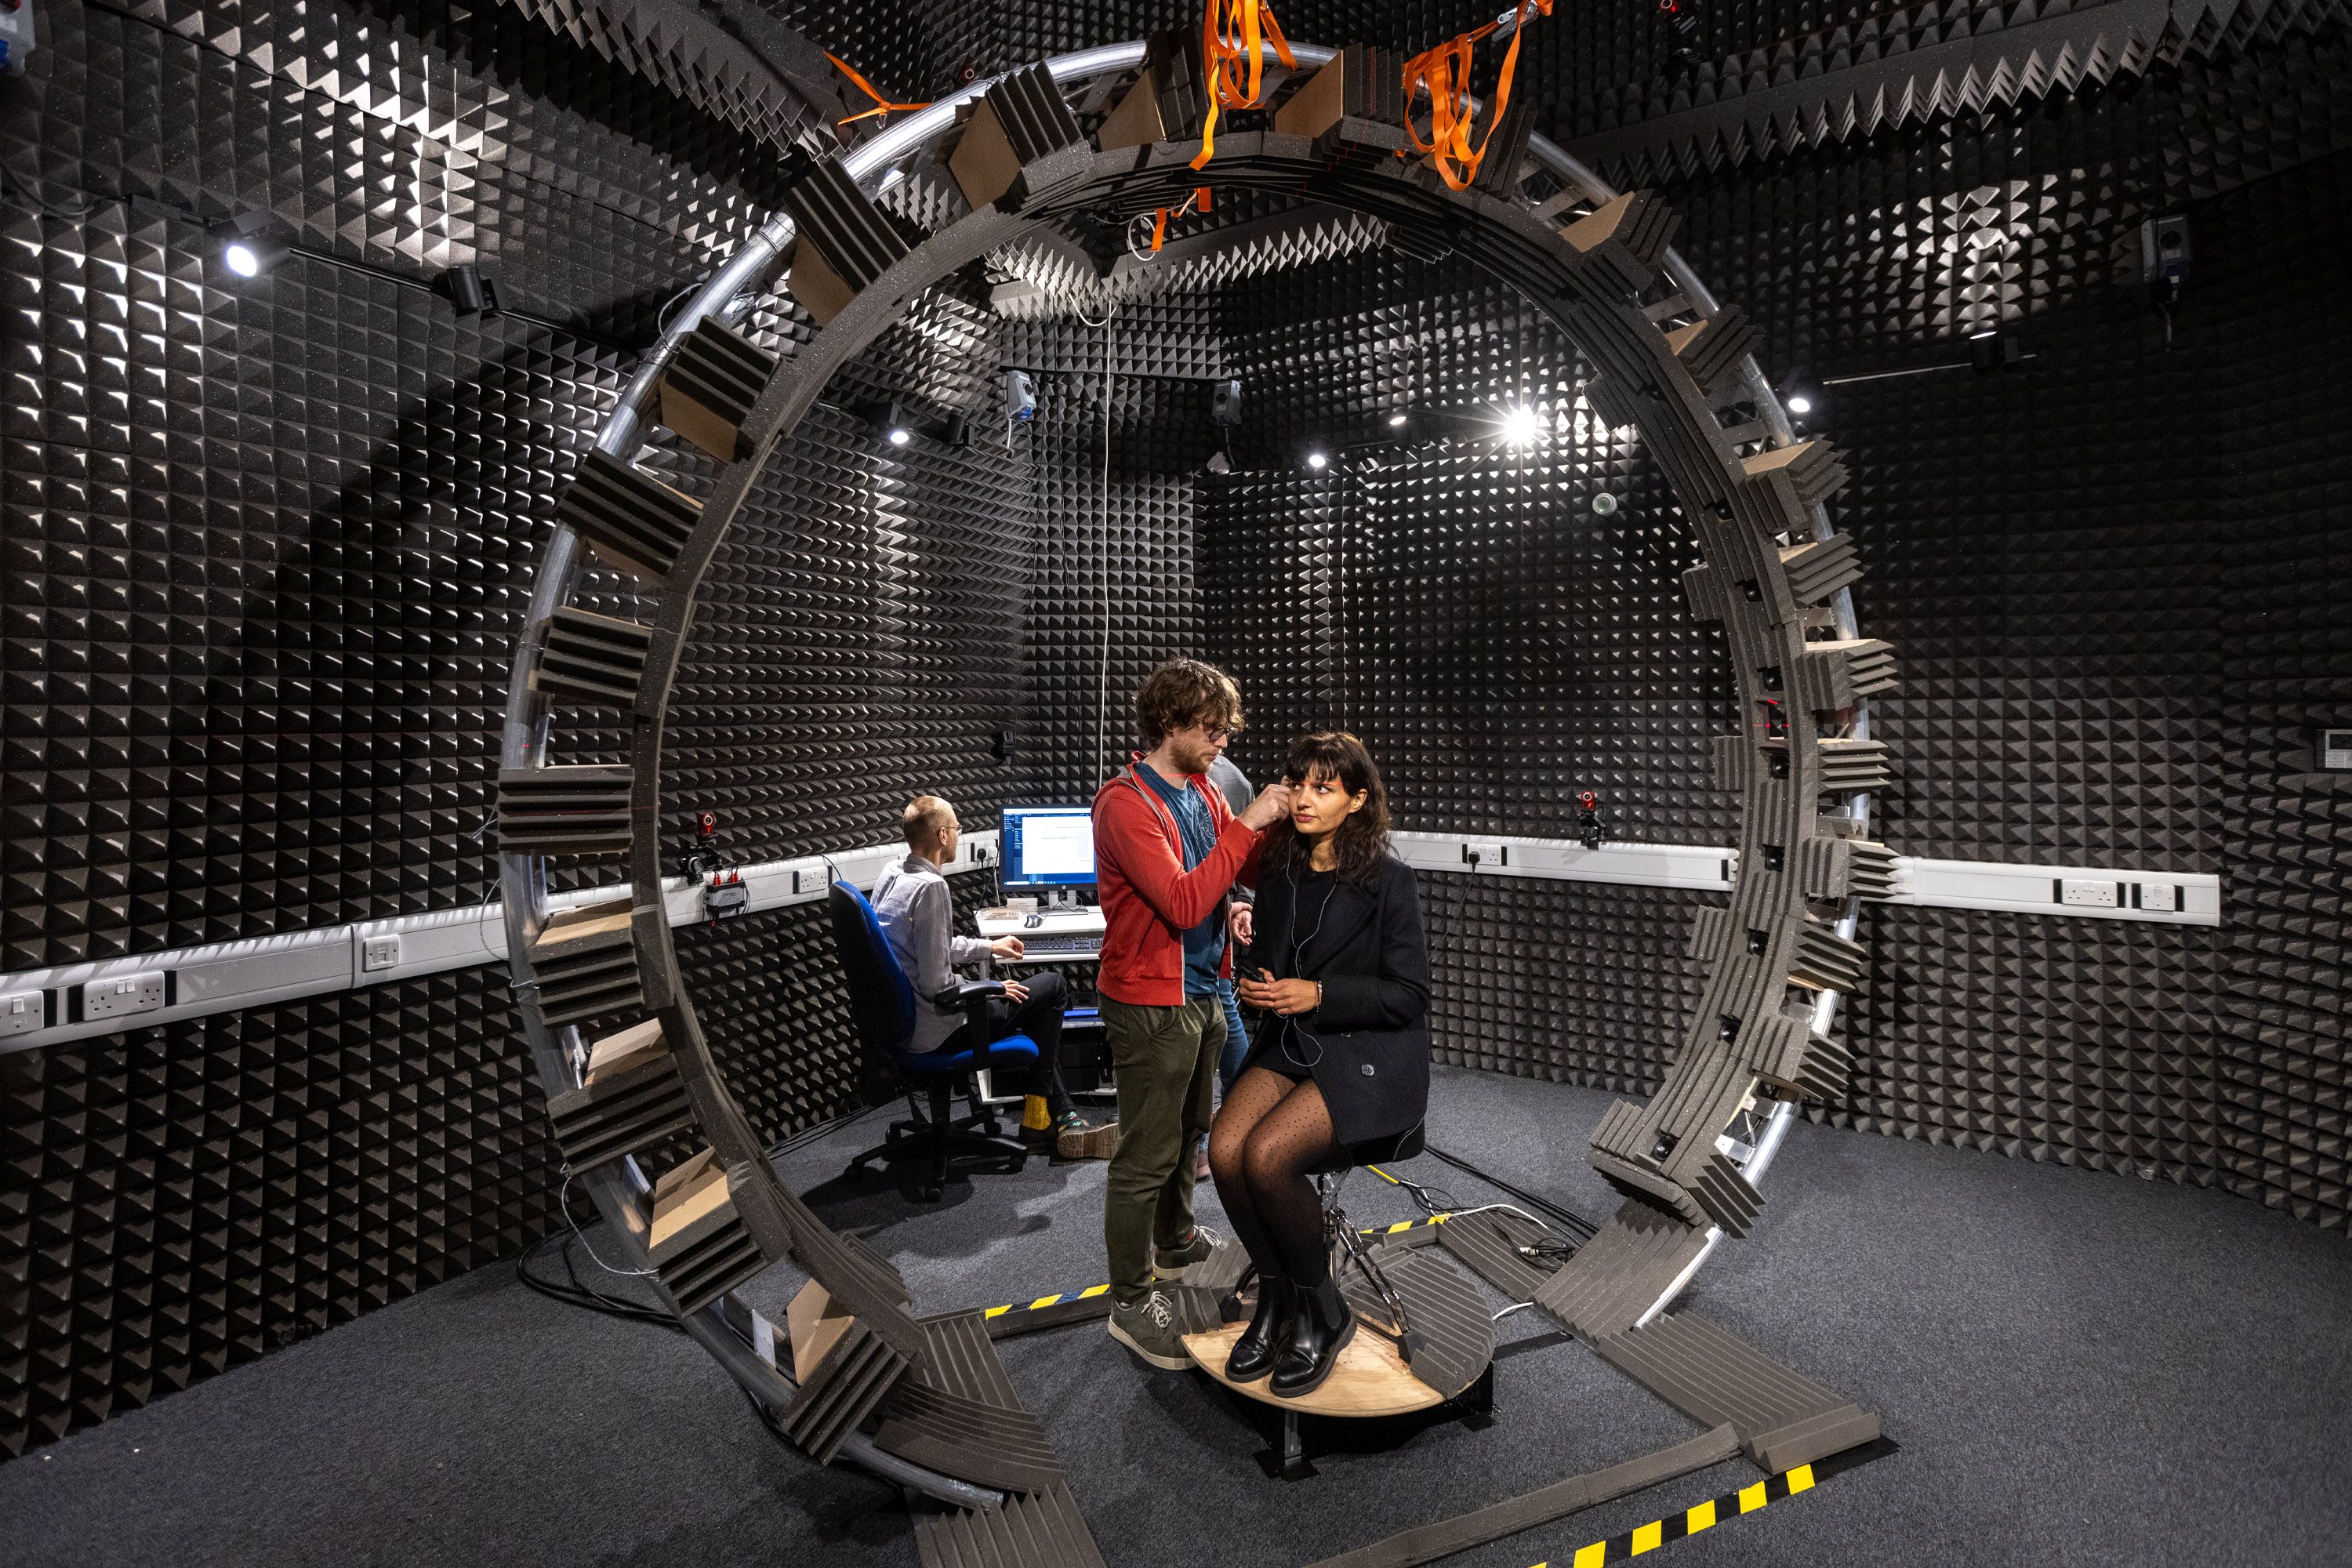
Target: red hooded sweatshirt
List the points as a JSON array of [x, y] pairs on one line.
[[1148, 900]]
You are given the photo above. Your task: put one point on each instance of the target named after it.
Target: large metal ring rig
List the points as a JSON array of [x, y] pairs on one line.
[[1671, 361]]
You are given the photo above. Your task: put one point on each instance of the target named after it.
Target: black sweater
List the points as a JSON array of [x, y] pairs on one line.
[[1367, 1045]]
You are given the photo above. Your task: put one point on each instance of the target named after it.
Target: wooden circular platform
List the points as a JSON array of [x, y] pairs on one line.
[[1371, 1378]]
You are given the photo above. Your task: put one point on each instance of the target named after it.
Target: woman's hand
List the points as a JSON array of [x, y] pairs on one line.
[[1284, 997], [1238, 922]]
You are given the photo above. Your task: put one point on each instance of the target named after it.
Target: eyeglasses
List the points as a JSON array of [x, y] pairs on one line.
[[1215, 733]]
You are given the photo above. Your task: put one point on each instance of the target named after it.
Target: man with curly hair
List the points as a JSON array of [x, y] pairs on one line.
[[1168, 851]]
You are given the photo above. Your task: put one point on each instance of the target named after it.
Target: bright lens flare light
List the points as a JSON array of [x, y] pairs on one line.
[[900, 436], [1522, 426]]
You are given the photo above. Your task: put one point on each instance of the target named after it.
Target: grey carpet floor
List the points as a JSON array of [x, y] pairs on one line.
[[2078, 1368]]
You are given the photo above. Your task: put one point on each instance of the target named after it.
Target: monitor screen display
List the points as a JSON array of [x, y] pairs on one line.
[[1048, 846]]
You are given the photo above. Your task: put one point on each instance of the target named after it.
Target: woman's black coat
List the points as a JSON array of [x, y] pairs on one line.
[[1372, 1028]]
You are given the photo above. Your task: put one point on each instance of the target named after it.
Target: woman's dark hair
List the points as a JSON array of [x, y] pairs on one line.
[[1362, 840]]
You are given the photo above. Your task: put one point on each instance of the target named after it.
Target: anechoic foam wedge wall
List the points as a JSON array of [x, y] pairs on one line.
[[1514, 644], [2107, 574], [256, 645], [325, 476]]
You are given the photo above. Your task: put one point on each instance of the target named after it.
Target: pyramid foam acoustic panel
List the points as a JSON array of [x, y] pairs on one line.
[[255, 649]]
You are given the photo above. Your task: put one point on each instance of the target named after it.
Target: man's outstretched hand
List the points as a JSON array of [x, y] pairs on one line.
[[1272, 804]]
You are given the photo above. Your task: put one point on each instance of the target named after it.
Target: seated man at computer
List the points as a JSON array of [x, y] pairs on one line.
[[918, 917]]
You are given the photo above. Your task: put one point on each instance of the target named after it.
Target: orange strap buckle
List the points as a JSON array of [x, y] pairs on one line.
[[881, 104], [1445, 72]]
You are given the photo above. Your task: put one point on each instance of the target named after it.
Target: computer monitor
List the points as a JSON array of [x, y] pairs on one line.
[[1047, 849]]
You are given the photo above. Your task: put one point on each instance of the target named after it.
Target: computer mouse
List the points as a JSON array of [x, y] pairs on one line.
[[1031, 922]]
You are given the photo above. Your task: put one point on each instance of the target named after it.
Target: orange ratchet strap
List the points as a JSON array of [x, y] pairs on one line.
[[881, 104], [1230, 30], [1445, 72]]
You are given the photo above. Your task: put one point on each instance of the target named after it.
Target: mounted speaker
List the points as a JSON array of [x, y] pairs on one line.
[[1225, 404]]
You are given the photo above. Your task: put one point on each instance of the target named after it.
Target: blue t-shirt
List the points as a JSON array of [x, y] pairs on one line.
[[1204, 944]]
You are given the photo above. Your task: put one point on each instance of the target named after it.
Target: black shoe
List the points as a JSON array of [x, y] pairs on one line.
[[1323, 1325], [1254, 1353]]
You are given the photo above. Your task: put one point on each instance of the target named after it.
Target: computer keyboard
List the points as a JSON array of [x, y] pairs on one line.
[[1082, 941]]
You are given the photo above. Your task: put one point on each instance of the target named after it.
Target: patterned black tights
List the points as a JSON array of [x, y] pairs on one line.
[[1268, 1135]]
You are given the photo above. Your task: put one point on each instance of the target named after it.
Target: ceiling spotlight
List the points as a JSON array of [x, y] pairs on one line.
[[1522, 426], [1397, 421], [251, 245], [1317, 461], [1798, 403], [888, 422]]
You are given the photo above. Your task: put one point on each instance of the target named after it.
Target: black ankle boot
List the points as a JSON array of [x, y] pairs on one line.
[[1324, 1326], [1253, 1354]]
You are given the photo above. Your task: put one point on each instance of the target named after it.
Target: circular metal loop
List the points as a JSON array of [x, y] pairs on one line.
[[1751, 513]]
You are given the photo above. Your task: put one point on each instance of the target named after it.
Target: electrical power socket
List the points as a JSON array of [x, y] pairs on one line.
[[2089, 893], [22, 1012], [123, 994]]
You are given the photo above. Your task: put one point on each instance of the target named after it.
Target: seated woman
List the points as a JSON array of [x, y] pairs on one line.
[[1339, 965]]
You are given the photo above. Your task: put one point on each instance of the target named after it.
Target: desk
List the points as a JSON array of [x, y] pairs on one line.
[[1077, 938], [1071, 936]]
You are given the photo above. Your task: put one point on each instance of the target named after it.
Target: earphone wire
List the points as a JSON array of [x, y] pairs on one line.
[[1299, 953]]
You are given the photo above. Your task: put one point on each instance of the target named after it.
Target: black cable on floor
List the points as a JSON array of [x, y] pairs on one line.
[[572, 1292], [1575, 1223]]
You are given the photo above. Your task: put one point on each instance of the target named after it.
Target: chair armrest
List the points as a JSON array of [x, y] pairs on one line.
[[973, 997]]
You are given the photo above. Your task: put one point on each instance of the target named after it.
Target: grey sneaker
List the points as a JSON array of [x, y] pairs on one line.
[[1176, 1263], [1148, 1327], [1074, 1140]]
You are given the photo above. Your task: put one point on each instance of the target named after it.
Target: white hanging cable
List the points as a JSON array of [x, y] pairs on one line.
[[1102, 670]]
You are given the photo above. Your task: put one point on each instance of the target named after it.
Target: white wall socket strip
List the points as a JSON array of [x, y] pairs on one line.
[[120, 993]]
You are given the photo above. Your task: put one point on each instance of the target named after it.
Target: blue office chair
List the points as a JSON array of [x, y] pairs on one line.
[[882, 1007]]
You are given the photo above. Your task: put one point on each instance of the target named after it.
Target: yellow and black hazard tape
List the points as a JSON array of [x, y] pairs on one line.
[[1094, 1301], [1048, 1311], [1718, 1510], [1402, 1226]]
